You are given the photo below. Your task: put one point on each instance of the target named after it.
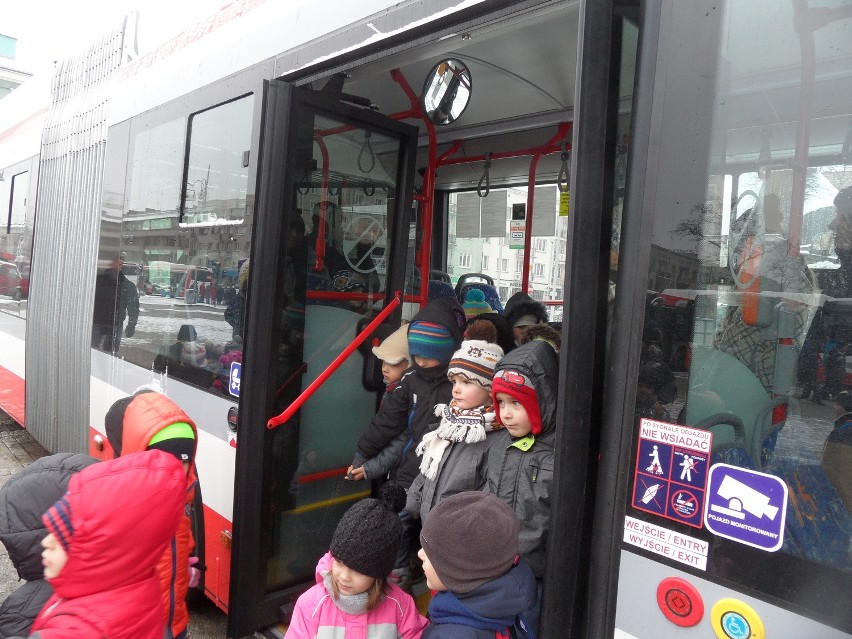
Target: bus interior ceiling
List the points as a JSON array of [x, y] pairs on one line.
[[519, 95]]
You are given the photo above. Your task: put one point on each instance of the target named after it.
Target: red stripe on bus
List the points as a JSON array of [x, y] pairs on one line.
[[13, 400]]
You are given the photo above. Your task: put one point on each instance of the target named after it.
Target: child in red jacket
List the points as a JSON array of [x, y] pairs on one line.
[[149, 420], [100, 554]]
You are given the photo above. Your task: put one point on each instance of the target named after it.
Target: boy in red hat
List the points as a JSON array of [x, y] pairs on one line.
[[521, 459]]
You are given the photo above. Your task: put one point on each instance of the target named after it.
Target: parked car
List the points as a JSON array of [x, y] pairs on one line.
[[10, 280]]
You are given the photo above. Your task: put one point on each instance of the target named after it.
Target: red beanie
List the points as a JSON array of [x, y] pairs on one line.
[[520, 388]]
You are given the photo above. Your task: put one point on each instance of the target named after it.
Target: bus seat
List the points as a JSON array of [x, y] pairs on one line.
[[817, 526], [438, 288], [719, 383], [488, 290]]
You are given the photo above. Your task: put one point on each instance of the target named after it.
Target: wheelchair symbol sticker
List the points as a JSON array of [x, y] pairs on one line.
[[234, 379]]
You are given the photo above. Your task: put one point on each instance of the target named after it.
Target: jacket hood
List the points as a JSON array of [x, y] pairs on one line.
[[323, 565], [121, 514], [495, 604], [521, 304], [538, 361], [132, 422], [446, 311], [23, 499]]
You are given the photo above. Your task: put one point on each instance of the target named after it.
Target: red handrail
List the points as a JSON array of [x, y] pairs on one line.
[[335, 364]]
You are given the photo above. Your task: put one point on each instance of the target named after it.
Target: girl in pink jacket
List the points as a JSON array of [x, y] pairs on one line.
[[352, 591]]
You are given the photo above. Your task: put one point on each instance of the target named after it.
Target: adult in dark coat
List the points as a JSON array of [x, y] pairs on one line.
[[23, 500], [522, 310], [116, 299]]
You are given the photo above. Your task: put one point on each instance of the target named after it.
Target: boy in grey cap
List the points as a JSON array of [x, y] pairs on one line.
[[470, 557]]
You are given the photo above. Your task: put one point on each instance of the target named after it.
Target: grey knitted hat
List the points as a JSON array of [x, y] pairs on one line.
[[470, 539]]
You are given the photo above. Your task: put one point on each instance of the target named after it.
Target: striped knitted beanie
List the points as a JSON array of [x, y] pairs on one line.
[[427, 339], [57, 520], [476, 361]]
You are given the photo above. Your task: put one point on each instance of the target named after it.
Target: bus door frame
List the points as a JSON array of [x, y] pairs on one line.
[[250, 607], [581, 571]]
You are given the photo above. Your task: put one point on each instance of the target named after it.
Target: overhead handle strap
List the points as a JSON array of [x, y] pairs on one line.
[[564, 178], [486, 178], [371, 158]]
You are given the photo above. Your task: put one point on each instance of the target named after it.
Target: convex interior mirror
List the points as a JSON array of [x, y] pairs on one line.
[[446, 92]]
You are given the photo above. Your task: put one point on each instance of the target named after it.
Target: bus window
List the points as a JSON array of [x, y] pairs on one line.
[[481, 240], [183, 271], [747, 336]]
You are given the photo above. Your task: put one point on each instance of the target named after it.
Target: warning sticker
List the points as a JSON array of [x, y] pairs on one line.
[[683, 548], [671, 471]]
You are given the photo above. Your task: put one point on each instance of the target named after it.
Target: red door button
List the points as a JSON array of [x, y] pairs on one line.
[[680, 602]]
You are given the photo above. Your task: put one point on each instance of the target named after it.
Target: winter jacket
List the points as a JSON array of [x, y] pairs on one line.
[[463, 467], [487, 612], [108, 588], [146, 414], [521, 304], [410, 407], [388, 458], [23, 499], [316, 616], [520, 471]]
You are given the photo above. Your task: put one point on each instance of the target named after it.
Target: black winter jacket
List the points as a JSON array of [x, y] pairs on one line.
[[521, 475], [23, 500], [411, 406]]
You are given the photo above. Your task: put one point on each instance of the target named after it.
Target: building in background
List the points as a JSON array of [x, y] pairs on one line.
[[11, 73]]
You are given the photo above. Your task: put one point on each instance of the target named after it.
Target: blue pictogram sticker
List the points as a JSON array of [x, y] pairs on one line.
[[234, 379], [746, 506]]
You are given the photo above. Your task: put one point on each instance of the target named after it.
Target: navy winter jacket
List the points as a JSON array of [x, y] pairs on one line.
[[487, 612]]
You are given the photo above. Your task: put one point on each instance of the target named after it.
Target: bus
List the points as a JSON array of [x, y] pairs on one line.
[[671, 178]]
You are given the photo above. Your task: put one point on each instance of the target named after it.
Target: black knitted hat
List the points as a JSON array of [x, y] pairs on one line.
[[369, 534], [470, 539]]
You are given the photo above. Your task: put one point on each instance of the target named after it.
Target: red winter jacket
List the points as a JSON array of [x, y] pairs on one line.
[[123, 512], [144, 416]]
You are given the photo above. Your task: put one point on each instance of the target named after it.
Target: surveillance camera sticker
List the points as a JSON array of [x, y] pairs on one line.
[[746, 506], [671, 471]]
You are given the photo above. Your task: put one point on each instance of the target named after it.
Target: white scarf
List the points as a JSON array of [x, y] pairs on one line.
[[466, 425]]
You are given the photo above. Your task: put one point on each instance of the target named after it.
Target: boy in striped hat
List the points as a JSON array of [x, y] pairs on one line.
[[454, 455]]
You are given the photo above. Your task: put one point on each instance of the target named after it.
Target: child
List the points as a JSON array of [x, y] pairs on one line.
[[100, 553], [23, 499], [522, 311], [455, 455], [352, 596], [149, 420], [433, 336], [393, 354], [470, 556], [521, 459]]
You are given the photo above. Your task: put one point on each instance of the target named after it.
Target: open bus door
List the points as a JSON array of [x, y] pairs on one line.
[[334, 198]]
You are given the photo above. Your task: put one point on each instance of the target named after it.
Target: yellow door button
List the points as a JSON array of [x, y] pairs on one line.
[[735, 619]]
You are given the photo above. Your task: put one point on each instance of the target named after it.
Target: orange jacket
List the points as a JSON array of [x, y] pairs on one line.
[[145, 415]]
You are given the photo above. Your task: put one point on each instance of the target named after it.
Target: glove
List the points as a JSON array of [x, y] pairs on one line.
[[194, 573], [131, 328]]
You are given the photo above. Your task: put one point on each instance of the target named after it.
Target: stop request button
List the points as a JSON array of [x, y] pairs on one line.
[[680, 602]]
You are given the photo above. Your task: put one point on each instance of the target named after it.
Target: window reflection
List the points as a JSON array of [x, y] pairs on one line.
[[748, 317], [188, 277]]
